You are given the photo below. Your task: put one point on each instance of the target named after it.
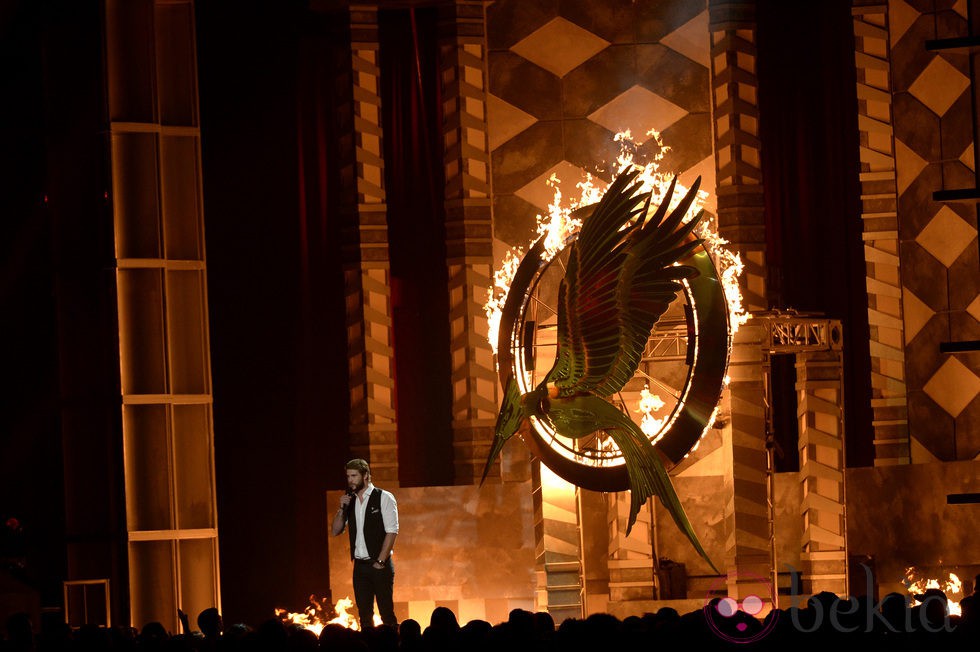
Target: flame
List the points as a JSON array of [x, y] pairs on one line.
[[649, 403], [495, 303], [917, 584], [559, 225], [314, 616], [711, 422]]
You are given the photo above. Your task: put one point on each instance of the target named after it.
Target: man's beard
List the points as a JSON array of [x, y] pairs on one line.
[[356, 488]]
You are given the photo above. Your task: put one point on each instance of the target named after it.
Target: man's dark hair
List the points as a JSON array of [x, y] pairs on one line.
[[358, 464]]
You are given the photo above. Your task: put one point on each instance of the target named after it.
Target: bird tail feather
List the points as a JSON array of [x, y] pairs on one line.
[[648, 477], [498, 445]]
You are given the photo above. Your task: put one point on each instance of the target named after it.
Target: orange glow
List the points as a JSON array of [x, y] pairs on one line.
[[558, 226], [495, 302], [557, 229], [554, 484], [649, 403], [314, 619], [917, 584]]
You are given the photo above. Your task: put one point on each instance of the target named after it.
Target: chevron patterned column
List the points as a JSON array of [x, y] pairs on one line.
[[741, 220], [734, 91], [558, 547], [879, 214], [819, 400], [469, 233], [631, 564], [366, 262], [748, 549]]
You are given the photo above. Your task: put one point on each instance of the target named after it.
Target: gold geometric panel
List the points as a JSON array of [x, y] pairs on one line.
[[917, 314], [908, 165], [539, 194], [946, 236], [692, 39], [558, 46], [900, 18], [974, 308], [939, 85], [638, 110], [919, 454], [504, 121], [953, 387], [967, 158]]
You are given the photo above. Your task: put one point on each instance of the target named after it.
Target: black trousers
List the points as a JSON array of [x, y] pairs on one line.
[[372, 584]]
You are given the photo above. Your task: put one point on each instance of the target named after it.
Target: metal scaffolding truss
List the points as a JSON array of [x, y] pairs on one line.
[[816, 342], [792, 332], [666, 344]]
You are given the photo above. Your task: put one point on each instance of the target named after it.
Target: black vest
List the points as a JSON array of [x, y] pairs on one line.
[[374, 525]]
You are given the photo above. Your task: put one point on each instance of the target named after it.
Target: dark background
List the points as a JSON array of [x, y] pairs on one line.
[[278, 337]]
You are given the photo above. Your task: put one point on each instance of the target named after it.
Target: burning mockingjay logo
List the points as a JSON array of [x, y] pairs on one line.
[[621, 274]]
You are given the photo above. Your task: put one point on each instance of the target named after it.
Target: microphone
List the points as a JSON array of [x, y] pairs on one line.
[[350, 492]]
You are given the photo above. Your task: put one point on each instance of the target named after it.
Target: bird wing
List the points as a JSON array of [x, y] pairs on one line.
[[621, 277], [645, 470], [509, 420]]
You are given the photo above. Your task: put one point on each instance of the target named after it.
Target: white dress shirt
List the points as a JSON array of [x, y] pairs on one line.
[[389, 514]]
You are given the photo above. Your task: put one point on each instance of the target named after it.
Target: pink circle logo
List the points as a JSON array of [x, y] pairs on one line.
[[740, 621]]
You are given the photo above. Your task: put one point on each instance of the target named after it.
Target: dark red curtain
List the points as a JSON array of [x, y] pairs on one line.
[[275, 292], [808, 127], [412, 119], [323, 394], [320, 350], [41, 247]]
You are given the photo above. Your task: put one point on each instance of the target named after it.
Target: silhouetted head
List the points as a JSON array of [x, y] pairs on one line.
[[933, 604], [442, 631], [443, 619], [382, 638], [271, 635], [827, 600], [892, 608], [544, 624], [334, 636], [475, 630], [237, 632], [968, 607], [93, 637], [154, 631], [633, 624], [209, 622], [20, 632], [410, 630], [522, 622], [300, 639]]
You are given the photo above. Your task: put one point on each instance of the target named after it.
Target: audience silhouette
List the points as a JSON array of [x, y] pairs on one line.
[[822, 621]]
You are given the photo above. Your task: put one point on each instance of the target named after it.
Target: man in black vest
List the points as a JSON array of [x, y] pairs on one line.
[[371, 517]]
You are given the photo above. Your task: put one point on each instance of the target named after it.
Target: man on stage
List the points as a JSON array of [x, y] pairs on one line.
[[371, 517]]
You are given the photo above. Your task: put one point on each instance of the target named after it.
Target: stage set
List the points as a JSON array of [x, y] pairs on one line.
[[812, 390]]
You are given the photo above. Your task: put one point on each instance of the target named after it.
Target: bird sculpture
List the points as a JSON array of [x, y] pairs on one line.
[[622, 275]]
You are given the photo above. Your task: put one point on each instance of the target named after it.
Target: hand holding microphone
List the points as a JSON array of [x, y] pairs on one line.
[[345, 500]]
